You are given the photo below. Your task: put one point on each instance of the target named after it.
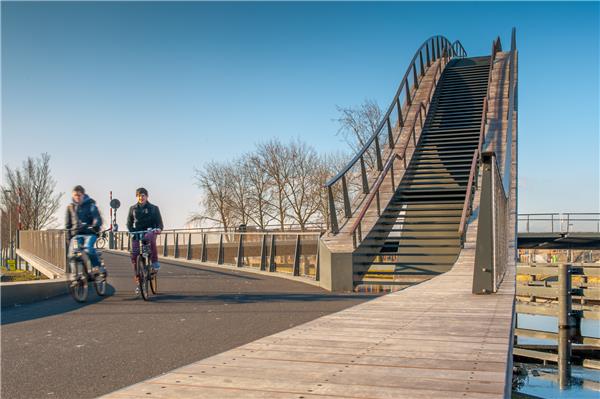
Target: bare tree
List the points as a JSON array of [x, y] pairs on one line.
[[260, 195], [30, 188], [274, 157], [329, 166], [358, 124], [217, 192], [302, 185], [239, 190]]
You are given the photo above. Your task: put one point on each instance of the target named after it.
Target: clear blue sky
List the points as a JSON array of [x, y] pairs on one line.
[[129, 94]]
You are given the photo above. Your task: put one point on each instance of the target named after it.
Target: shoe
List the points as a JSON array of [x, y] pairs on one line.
[[137, 291]]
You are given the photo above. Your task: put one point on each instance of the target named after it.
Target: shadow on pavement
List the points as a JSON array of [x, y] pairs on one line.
[[50, 307], [251, 298]]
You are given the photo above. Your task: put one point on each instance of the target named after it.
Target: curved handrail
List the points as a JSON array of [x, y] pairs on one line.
[[496, 47], [396, 101], [441, 48]]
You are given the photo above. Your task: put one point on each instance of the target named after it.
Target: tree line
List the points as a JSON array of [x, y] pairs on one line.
[[280, 184]]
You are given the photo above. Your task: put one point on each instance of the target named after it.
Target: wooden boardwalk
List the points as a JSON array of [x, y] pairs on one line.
[[435, 339]]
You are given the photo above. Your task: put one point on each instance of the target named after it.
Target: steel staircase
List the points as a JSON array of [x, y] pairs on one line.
[[416, 236]]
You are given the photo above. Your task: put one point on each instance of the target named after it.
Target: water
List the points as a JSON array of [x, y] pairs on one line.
[[542, 381]]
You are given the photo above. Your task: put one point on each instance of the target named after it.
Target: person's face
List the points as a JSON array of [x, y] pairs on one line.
[[77, 196], [142, 198]]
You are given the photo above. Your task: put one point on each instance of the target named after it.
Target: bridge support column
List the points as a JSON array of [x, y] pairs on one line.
[[565, 325], [335, 269]]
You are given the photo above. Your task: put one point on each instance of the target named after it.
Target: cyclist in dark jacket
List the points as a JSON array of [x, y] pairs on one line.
[[83, 219], [143, 216]]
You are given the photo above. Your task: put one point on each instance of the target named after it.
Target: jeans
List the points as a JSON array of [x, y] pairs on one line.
[[87, 242], [135, 248]]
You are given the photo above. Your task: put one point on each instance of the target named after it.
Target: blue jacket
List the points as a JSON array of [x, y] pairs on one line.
[[83, 218]]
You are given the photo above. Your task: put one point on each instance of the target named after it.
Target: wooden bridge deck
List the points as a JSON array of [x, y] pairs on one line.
[[435, 339]]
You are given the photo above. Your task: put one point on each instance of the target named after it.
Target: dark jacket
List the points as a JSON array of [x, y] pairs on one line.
[[83, 218], [144, 217]]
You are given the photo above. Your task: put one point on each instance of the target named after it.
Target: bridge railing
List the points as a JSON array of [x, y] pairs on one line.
[[569, 222], [492, 253], [353, 179], [48, 245], [295, 253]]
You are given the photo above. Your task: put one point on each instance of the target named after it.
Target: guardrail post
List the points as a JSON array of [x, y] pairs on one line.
[[332, 213], [240, 251], [390, 133], [318, 261], [263, 250], [378, 154], [165, 244], [363, 174], [347, 210], [400, 117], [296, 267], [272, 255], [176, 247], [111, 240], [408, 100], [427, 52], [565, 325], [220, 254], [421, 63], [188, 255], [415, 76], [483, 275], [128, 243], [203, 249]]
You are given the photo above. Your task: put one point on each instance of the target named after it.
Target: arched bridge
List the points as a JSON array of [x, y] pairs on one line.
[[426, 212]]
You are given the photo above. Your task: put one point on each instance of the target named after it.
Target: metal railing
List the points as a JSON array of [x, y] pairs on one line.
[[491, 252], [353, 178], [472, 182], [48, 245], [569, 222], [293, 253]]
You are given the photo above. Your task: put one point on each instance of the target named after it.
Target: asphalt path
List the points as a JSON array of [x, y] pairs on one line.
[[60, 349]]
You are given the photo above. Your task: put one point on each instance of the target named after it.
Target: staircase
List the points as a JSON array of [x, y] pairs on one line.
[[416, 237]]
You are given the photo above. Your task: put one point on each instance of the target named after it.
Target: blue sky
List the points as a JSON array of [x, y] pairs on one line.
[[123, 95]]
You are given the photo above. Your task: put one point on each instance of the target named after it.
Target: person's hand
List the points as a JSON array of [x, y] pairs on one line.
[[157, 231]]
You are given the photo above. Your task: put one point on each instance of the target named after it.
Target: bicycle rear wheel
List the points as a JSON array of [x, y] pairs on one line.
[[100, 242], [142, 273], [154, 282], [78, 285], [100, 284]]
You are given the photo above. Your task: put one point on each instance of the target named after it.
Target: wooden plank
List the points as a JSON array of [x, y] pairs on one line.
[[522, 332], [591, 364]]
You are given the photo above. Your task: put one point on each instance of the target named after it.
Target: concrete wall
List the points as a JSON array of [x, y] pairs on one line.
[[23, 292]]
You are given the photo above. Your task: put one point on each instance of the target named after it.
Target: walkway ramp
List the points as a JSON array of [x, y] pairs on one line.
[[433, 340]]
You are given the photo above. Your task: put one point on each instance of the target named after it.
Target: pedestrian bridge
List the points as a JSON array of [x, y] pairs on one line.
[[425, 211]]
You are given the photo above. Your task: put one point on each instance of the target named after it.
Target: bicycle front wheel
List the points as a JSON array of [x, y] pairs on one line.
[[154, 282], [100, 284], [78, 284], [143, 277]]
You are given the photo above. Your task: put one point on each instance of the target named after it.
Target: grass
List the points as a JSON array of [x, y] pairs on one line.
[[14, 274]]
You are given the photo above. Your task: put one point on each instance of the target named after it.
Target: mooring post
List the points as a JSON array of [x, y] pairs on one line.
[[564, 325]]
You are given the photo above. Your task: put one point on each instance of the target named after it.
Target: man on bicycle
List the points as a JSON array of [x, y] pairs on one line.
[[83, 219], [143, 216]]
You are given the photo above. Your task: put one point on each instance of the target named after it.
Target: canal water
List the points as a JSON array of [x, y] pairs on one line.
[[542, 381]]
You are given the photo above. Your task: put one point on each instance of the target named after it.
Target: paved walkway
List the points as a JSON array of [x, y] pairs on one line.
[[60, 349], [431, 340]]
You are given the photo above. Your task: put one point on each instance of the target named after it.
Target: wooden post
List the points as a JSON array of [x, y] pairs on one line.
[[203, 250], [165, 243], [272, 254], [176, 247], [564, 325]]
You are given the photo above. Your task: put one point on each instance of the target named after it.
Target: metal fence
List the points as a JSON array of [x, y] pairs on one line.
[[559, 222], [49, 245], [293, 253]]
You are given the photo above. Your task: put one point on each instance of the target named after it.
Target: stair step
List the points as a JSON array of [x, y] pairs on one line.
[[425, 260]]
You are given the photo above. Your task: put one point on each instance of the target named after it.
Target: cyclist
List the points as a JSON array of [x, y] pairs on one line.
[[143, 216], [83, 219]]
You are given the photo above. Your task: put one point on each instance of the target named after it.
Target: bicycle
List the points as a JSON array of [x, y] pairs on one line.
[[144, 271], [80, 276], [102, 239]]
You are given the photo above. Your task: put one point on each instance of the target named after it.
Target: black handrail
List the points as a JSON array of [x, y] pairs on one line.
[[430, 51]]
